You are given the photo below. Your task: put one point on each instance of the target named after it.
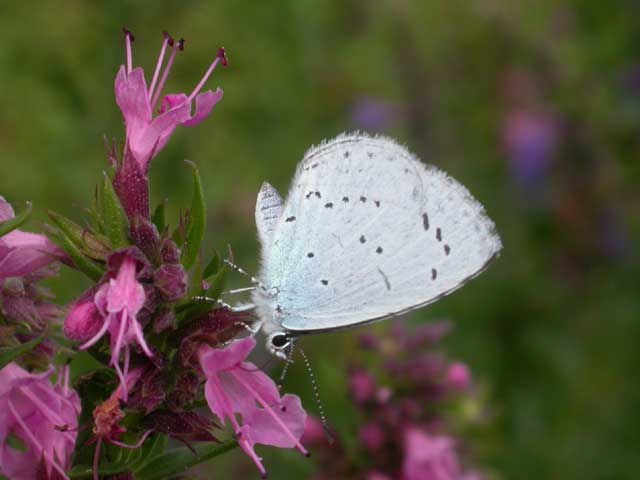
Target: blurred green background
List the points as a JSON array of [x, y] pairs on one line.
[[535, 106]]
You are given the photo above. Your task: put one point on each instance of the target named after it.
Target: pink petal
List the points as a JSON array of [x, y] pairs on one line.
[[216, 400], [204, 104], [161, 128], [125, 292], [133, 100], [6, 211], [265, 430], [23, 261], [259, 381], [213, 360]]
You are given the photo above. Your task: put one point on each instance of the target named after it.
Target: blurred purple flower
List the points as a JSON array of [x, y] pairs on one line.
[[44, 417], [371, 113], [235, 387], [23, 253], [530, 139]]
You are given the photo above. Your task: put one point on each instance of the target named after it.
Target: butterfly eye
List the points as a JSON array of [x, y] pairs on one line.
[[279, 340]]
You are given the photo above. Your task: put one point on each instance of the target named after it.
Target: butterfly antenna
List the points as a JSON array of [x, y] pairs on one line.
[[316, 393], [288, 362]]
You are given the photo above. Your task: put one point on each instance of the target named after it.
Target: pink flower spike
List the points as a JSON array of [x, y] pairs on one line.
[[146, 134], [43, 416], [235, 387]]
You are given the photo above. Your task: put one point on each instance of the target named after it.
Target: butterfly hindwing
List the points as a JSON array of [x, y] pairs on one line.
[[368, 231]]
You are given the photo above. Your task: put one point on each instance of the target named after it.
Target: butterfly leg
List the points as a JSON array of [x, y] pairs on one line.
[[253, 279], [235, 309], [238, 290]]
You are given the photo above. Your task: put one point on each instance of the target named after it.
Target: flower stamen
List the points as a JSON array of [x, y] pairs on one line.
[[220, 58], [168, 40], [174, 51], [129, 38]]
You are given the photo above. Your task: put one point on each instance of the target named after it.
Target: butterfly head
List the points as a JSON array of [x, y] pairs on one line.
[[278, 343]]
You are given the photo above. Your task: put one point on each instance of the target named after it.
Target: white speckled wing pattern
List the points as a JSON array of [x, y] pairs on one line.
[[368, 231]]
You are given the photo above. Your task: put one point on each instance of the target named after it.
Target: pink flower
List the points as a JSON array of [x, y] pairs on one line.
[[429, 457], [458, 377], [118, 302], [41, 416], [22, 253], [146, 134], [234, 387]]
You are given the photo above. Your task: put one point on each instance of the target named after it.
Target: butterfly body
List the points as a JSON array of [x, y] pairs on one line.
[[367, 232]]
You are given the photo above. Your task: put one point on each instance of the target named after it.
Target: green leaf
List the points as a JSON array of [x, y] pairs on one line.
[[9, 354], [15, 222], [197, 220], [115, 219], [179, 460], [80, 261], [95, 246], [214, 265], [159, 216]]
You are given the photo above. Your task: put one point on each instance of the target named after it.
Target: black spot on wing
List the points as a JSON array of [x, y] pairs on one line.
[[377, 202], [447, 249], [328, 205], [379, 250], [434, 274], [363, 199], [362, 239], [345, 199], [438, 234], [324, 282], [318, 194], [290, 219], [425, 221], [310, 255]]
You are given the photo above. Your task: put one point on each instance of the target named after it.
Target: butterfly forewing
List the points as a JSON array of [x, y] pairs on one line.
[[367, 232]]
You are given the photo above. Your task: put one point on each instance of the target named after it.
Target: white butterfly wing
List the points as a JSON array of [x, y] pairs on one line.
[[367, 232]]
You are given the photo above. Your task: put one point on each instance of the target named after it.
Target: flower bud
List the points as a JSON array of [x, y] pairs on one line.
[[169, 251], [171, 281]]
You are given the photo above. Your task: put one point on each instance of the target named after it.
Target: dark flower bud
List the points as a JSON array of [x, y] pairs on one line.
[[184, 426], [163, 320], [171, 281], [146, 236], [169, 251]]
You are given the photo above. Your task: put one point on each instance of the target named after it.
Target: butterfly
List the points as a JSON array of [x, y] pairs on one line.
[[367, 232]]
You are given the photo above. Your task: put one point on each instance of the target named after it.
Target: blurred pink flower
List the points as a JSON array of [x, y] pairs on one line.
[[43, 417], [429, 457], [362, 385], [234, 386], [118, 302], [458, 377], [22, 253], [147, 135]]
